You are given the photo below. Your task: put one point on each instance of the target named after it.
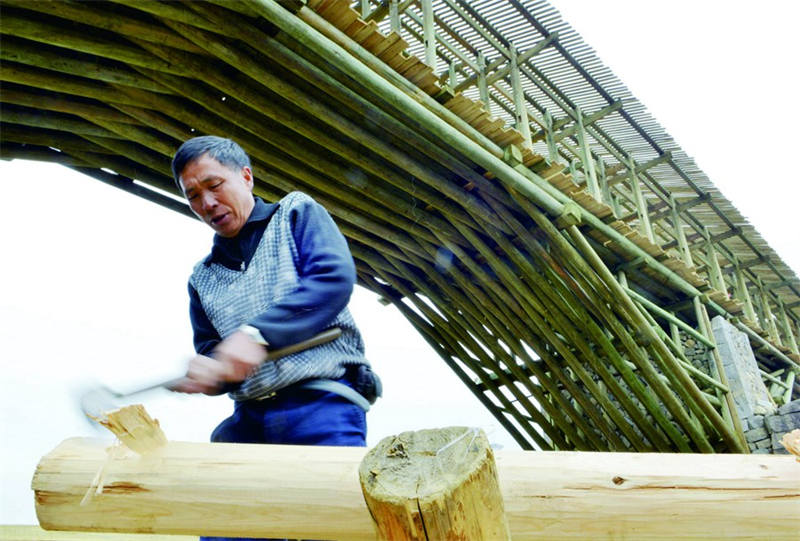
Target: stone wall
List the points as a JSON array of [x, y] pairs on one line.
[[763, 422], [764, 432]]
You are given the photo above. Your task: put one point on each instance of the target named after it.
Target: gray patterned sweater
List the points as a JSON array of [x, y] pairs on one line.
[[276, 272]]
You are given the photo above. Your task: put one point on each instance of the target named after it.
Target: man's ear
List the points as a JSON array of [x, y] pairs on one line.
[[247, 175]]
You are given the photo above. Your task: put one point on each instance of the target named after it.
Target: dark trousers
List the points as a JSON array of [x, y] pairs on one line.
[[294, 417]]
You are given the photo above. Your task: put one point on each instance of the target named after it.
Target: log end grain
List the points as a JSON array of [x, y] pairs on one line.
[[434, 484]]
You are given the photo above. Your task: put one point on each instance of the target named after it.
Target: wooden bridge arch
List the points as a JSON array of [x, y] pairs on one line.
[[559, 267]]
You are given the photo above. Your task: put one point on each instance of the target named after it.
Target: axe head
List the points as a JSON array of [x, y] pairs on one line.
[[97, 401]]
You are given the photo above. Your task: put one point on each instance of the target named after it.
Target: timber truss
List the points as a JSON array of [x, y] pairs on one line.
[[496, 183]]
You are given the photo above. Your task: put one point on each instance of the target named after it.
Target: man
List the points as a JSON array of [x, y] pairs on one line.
[[277, 274]]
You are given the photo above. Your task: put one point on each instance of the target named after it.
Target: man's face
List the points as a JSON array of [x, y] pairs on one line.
[[220, 196]]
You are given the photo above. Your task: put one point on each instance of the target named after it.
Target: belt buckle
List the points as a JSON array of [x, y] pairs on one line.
[[268, 396]]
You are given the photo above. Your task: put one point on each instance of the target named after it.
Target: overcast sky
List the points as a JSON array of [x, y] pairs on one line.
[[92, 285]]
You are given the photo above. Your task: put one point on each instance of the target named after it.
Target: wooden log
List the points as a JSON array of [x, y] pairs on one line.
[[314, 493], [35, 533], [434, 484]]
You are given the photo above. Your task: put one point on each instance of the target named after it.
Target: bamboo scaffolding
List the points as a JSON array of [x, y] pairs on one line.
[[45, 56], [471, 321], [581, 319], [687, 388], [513, 324], [492, 312], [450, 342], [429, 334], [458, 341]]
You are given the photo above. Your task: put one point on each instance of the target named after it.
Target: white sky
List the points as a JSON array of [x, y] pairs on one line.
[[92, 281]]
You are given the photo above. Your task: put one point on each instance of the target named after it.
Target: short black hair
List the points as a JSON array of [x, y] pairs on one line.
[[225, 151]]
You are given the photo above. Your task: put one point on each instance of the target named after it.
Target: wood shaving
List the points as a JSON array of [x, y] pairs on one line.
[[791, 441], [135, 428]]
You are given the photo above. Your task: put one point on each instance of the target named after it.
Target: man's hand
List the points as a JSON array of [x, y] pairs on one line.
[[234, 359]]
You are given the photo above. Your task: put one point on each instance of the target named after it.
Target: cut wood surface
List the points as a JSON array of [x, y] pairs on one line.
[[314, 493], [434, 484], [35, 533]]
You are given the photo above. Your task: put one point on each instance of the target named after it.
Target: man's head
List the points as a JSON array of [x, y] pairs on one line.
[[215, 177]]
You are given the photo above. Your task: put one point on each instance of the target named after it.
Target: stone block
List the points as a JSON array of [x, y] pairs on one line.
[[756, 434], [764, 409], [777, 446], [760, 451], [776, 424], [764, 444], [792, 421], [756, 421], [749, 393], [791, 407]]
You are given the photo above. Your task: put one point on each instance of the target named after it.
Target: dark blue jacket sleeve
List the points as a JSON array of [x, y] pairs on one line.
[[327, 276], [206, 336]]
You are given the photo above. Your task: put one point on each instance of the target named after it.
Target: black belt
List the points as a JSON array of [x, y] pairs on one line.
[[320, 384]]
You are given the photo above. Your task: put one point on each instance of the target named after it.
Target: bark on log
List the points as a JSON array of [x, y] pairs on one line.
[[434, 485], [314, 493]]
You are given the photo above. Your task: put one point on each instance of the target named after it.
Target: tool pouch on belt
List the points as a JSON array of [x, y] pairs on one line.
[[367, 383]]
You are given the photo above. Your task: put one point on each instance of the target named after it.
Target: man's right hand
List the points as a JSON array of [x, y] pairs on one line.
[[204, 375], [235, 358]]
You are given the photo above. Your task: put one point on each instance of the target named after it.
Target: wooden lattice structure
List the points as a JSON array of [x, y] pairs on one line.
[[556, 248]]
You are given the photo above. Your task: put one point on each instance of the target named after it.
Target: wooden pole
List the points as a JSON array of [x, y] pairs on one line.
[[641, 203], [586, 158], [520, 110], [394, 16], [314, 493], [434, 484], [787, 327], [769, 321], [677, 225], [429, 33]]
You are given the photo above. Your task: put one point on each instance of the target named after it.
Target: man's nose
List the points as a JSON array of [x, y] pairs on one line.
[[208, 201]]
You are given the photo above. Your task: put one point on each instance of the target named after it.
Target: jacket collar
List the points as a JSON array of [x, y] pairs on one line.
[[262, 212]]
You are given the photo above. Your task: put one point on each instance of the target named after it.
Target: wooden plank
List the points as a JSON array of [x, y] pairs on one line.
[[272, 490], [402, 62], [385, 43], [473, 114], [530, 158], [345, 18], [364, 32], [315, 4], [330, 9], [459, 104], [508, 136], [494, 125], [420, 74], [373, 41], [393, 50], [430, 84], [483, 120], [357, 26], [413, 68]]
